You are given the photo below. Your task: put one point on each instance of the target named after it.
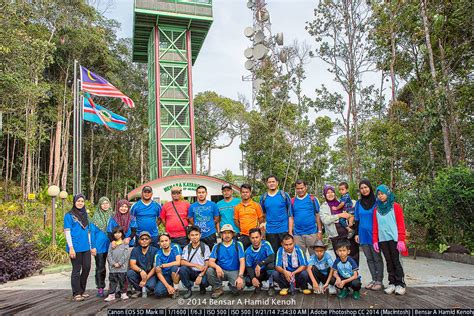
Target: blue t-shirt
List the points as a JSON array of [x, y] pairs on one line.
[[277, 211], [304, 214], [301, 258], [146, 216], [366, 221], [322, 265], [348, 206], [79, 235], [226, 211], [144, 261], [161, 258], [345, 269], [253, 256], [99, 240], [227, 257], [387, 224], [203, 215], [133, 224]]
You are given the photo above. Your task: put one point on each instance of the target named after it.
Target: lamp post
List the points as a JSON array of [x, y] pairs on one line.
[[53, 192], [62, 196]]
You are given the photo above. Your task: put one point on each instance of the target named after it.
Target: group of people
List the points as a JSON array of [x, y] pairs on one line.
[[276, 243]]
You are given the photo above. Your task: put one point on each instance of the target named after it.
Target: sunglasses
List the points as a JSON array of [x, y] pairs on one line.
[[175, 192]]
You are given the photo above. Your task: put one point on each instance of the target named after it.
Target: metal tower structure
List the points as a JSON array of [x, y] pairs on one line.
[[168, 35]]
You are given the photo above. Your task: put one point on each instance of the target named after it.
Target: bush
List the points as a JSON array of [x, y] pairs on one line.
[[18, 257], [444, 208]]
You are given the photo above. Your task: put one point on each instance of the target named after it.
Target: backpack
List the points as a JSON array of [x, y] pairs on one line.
[[285, 198], [313, 199], [190, 247]]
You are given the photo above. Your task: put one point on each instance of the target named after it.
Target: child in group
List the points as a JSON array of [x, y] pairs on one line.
[[345, 205], [346, 271], [319, 269], [118, 265]]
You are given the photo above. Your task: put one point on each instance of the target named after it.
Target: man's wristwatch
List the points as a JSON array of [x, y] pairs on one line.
[[140, 270], [241, 276]]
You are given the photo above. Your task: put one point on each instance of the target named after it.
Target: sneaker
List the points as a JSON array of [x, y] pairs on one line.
[[100, 292], [377, 286], [356, 295], [136, 294], [175, 294], [370, 285], [257, 290], [265, 285], [271, 291], [124, 296], [202, 290], [188, 294], [306, 291], [343, 293], [217, 293], [332, 290], [284, 292], [317, 291], [400, 290], [351, 234], [390, 289], [110, 298]]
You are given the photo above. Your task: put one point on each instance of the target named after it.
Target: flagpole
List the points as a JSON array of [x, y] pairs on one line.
[[74, 138], [81, 120]]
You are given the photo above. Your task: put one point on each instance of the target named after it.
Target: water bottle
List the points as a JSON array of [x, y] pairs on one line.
[[144, 292]]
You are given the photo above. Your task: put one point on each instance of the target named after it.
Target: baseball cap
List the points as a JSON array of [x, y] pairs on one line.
[[227, 227], [147, 188], [226, 186], [144, 233], [319, 244]]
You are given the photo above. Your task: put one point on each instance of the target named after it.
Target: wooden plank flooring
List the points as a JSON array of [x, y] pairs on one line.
[[58, 302]]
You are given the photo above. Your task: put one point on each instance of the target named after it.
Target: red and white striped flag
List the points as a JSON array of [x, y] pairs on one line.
[[97, 85]]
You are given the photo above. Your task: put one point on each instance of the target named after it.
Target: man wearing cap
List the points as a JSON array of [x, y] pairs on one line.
[[205, 215], [147, 214], [226, 263], [247, 215], [174, 216], [308, 227], [141, 272], [226, 207], [319, 269]]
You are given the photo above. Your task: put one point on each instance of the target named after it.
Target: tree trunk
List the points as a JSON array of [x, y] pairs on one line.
[[51, 158], [23, 170], [57, 152], [65, 156], [209, 162], [29, 169], [444, 125], [7, 166], [348, 139], [12, 160]]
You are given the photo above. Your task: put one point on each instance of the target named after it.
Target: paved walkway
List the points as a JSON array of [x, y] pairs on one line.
[[422, 272]]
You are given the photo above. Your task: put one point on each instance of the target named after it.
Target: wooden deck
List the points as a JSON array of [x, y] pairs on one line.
[[58, 302]]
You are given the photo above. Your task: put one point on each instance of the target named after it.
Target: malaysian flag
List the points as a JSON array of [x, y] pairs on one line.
[[97, 85]]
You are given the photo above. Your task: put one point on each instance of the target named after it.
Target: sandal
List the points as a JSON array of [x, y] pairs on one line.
[[85, 295], [370, 285], [78, 298]]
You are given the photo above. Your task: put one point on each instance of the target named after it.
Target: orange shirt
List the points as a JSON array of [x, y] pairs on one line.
[[247, 216]]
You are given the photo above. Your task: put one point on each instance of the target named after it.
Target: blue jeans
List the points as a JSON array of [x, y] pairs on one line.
[[188, 276], [160, 288], [134, 278]]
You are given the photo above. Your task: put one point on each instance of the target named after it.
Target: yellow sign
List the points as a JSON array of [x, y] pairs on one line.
[[31, 196]]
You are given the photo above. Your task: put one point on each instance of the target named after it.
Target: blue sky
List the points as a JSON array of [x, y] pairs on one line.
[[219, 66]]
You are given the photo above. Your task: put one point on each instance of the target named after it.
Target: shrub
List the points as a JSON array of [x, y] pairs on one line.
[[18, 257]]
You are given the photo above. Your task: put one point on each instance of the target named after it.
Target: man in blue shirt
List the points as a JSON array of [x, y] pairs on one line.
[[167, 262], [259, 262], [290, 268], [226, 207], [141, 272], [308, 227], [226, 263], [205, 215], [147, 214], [276, 205]]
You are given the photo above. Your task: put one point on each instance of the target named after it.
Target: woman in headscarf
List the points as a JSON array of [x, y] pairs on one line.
[[100, 241], [76, 229], [388, 235], [124, 219], [335, 231], [364, 214]]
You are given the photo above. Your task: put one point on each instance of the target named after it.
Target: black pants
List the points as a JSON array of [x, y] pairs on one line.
[[81, 266], [210, 240], [320, 277], [354, 248], [275, 240], [265, 275], [117, 278], [394, 266], [181, 241], [355, 285], [100, 272], [245, 240]]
